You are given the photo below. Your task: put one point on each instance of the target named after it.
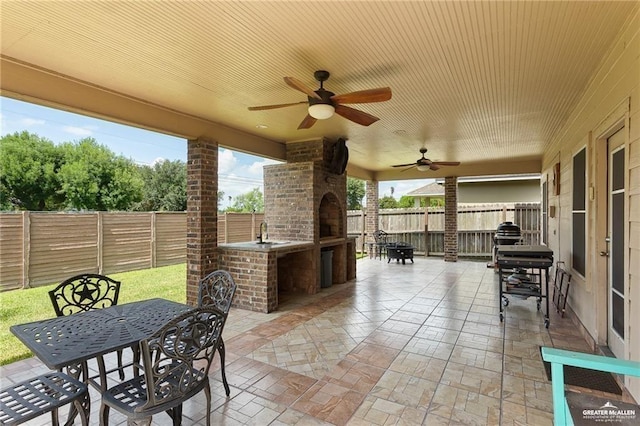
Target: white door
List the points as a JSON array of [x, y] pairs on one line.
[[617, 302]]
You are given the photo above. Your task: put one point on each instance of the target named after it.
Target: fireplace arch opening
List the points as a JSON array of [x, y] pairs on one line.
[[330, 217]]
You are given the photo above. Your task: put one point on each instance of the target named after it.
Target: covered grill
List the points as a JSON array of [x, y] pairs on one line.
[[508, 233]]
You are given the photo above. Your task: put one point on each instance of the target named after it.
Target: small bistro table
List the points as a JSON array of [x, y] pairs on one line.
[[75, 339]]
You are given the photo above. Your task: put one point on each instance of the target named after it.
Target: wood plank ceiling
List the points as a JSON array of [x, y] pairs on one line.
[[484, 83]]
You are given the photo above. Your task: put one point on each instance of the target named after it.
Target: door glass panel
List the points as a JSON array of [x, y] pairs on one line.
[[617, 242], [617, 305], [618, 171]]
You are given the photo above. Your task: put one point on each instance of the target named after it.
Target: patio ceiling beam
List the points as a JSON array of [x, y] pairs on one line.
[[36, 85]]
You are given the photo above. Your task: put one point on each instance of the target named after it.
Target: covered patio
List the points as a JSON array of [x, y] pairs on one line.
[[515, 87], [415, 344]]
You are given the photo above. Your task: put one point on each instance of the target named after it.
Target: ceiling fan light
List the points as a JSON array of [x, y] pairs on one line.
[[321, 111], [423, 167]]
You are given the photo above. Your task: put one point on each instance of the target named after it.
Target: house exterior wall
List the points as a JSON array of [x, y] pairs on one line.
[[611, 99], [514, 191]]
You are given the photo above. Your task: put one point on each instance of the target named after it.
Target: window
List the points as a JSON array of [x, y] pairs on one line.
[[578, 212]]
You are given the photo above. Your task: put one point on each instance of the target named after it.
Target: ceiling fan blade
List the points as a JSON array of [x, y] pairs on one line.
[[404, 165], [300, 86], [434, 167], [364, 96], [307, 122], [355, 115], [446, 163], [264, 107]]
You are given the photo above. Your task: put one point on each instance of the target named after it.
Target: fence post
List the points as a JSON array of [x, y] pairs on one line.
[[362, 230], [100, 233], [154, 247], [26, 247], [426, 229]]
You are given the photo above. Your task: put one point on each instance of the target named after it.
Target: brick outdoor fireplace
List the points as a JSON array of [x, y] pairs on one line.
[[305, 211]]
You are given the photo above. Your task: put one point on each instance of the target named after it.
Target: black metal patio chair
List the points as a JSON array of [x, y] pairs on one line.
[[381, 240], [217, 289], [85, 292], [175, 362], [34, 397]]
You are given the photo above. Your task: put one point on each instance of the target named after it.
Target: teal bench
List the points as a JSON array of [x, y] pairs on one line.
[[560, 357]]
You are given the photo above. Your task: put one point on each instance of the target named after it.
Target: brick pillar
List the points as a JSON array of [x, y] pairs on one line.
[[372, 221], [451, 219], [202, 213]]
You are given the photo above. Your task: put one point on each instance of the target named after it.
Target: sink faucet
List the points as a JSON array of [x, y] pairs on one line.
[[263, 232]]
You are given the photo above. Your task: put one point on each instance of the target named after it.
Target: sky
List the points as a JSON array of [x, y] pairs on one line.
[[238, 173]]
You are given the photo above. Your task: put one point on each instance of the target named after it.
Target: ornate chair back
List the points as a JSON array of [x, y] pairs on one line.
[[176, 358], [217, 289], [83, 293]]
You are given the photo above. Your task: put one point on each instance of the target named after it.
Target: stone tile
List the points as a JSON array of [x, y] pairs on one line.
[[354, 375], [281, 386], [419, 366], [388, 339], [376, 355], [404, 389], [473, 379], [329, 402], [429, 348]]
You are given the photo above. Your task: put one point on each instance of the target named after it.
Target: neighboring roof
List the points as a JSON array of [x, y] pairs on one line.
[[430, 190]]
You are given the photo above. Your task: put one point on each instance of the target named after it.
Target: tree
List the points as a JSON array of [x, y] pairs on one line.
[[28, 167], [249, 202], [407, 202], [165, 186], [387, 202], [94, 178], [355, 193]]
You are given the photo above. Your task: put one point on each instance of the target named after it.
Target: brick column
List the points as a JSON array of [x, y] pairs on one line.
[[372, 221], [202, 213], [451, 219]]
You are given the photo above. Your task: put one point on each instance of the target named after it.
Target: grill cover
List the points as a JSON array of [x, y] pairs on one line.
[[507, 233]]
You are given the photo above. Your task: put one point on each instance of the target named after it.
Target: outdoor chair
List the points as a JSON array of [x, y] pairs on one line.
[[83, 293], [32, 398], [217, 289], [175, 362], [382, 239], [569, 407]]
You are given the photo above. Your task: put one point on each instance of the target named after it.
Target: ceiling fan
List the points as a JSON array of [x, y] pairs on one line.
[[323, 103], [423, 164]]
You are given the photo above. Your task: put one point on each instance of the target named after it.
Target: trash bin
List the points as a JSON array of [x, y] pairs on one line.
[[326, 271]]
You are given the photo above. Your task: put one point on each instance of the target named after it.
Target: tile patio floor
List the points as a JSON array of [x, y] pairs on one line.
[[402, 344]]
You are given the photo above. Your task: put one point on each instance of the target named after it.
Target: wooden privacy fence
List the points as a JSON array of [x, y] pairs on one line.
[[40, 248], [477, 223]]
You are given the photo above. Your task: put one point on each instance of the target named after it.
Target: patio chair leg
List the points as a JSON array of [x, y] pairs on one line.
[[207, 393], [120, 369], [176, 415], [104, 415], [54, 417], [221, 351]]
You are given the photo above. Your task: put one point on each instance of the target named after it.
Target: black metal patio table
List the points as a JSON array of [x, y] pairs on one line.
[[62, 341], [75, 339]]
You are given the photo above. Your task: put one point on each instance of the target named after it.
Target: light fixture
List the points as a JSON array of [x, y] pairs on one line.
[[423, 167], [321, 111]]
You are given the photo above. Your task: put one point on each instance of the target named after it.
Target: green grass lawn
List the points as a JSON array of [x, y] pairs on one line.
[[21, 306]]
